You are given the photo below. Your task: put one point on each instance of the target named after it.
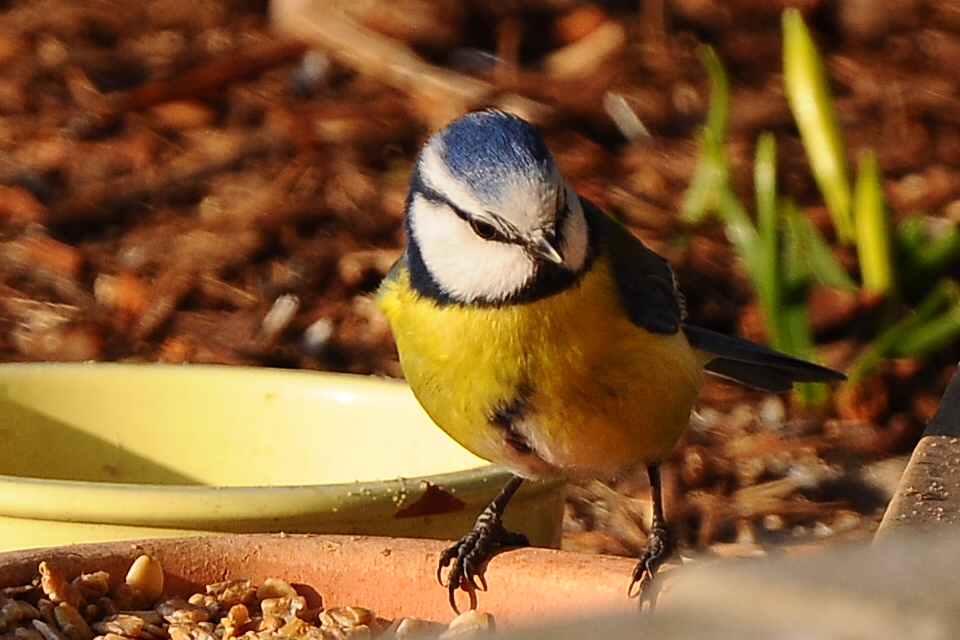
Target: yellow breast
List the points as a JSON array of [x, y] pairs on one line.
[[598, 393]]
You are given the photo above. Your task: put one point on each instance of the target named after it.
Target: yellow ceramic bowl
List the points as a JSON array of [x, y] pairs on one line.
[[95, 452]]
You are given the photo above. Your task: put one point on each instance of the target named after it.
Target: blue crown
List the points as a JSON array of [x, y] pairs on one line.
[[490, 148]]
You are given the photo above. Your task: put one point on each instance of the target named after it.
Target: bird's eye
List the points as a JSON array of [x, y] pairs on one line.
[[484, 229]]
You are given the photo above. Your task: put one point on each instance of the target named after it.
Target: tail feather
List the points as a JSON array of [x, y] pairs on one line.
[[755, 365]]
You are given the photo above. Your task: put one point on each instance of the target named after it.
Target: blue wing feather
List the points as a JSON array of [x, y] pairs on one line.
[[651, 300]]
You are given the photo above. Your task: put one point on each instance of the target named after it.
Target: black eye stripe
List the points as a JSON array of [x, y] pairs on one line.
[[483, 229], [435, 197], [429, 194]]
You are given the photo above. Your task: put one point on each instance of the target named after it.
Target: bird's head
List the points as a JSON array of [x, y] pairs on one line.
[[488, 213]]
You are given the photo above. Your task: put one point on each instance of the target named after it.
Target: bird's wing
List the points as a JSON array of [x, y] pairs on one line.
[[755, 365], [644, 277], [652, 301]]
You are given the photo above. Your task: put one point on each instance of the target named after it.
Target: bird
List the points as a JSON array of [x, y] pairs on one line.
[[542, 335]]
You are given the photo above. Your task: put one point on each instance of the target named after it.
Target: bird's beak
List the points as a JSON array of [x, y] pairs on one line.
[[543, 248]]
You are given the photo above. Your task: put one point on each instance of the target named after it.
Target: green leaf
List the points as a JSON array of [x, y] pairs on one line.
[[766, 273], [891, 341], [799, 343], [713, 171], [931, 335], [926, 246], [808, 258], [810, 101], [718, 113], [740, 230], [872, 221], [709, 178]]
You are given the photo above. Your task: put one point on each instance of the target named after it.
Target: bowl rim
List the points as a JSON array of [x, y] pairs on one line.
[[203, 507], [198, 506]]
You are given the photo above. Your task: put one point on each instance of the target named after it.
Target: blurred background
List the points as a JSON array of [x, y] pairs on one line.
[[223, 182]]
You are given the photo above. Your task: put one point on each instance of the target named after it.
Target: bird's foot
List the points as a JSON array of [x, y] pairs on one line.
[[469, 556], [659, 549]]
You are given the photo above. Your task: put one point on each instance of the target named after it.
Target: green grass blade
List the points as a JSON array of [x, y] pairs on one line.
[[872, 223], [926, 247], [766, 276], [798, 337], [932, 335], [718, 113], [812, 105], [712, 172], [702, 196], [887, 343], [739, 228], [808, 258]]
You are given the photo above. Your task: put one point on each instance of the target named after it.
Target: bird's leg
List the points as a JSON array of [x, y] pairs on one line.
[[474, 549], [659, 544]]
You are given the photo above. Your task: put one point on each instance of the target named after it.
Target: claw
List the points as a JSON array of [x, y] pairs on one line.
[[644, 575], [472, 581], [452, 598], [445, 558], [468, 557], [659, 548], [636, 581], [460, 577]]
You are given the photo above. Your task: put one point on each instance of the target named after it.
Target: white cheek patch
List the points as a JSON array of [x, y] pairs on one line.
[[466, 266]]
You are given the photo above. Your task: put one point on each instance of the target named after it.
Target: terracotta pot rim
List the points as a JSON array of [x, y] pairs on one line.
[[394, 576]]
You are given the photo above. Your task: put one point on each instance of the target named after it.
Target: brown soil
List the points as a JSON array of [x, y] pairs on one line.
[[179, 183]]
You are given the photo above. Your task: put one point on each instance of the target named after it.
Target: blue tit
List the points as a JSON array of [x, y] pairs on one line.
[[541, 334]]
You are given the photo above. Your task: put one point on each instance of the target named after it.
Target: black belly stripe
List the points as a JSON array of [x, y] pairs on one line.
[[504, 415]]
